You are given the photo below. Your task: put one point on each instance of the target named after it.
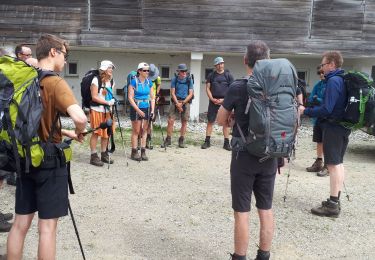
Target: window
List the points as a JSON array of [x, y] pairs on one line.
[[302, 75], [165, 70], [207, 72], [71, 69]]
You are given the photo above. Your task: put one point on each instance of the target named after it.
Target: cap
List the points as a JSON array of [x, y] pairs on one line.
[[154, 72], [182, 67], [105, 64], [142, 65], [218, 60]]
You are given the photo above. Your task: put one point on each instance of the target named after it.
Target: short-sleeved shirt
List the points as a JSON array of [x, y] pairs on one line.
[[57, 96], [182, 87], [219, 83], [105, 92], [155, 84], [141, 92], [236, 98]]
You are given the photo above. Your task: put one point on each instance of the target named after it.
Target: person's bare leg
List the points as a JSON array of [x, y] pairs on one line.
[[266, 229], [336, 176], [241, 232], [47, 238], [17, 234]]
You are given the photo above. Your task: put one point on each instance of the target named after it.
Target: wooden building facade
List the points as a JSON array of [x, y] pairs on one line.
[[195, 31]]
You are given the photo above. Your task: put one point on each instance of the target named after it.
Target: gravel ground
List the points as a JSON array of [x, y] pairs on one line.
[[178, 206]]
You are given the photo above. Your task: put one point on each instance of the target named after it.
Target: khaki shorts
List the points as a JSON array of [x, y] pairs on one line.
[[174, 113]]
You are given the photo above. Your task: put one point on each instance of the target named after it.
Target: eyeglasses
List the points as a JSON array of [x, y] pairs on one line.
[[66, 55], [146, 70], [321, 65], [27, 55], [183, 71]]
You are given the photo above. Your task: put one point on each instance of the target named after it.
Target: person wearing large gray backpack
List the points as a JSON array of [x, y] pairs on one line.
[[264, 116]]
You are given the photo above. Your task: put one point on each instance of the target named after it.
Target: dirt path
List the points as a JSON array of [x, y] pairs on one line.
[[178, 206]]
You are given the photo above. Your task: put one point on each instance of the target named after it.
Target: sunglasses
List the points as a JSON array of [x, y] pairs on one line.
[[146, 70]]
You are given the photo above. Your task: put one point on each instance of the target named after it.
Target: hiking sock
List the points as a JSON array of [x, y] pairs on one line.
[[226, 140], [262, 255], [92, 152], [207, 138], [238, 257], [319, 159], [335, 199]]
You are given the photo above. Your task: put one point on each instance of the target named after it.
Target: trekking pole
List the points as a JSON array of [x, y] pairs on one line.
[[122, 138], [287, 180], [161, 130], [346, 192], [76, 230]]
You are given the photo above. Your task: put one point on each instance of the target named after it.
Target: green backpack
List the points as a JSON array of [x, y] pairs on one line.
[[20, 114]]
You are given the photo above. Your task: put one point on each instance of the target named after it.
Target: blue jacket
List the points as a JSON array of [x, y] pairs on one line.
[[318, 90], [335, 98]]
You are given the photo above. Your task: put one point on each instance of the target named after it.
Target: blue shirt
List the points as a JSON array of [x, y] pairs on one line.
[[141, 92], [335, 98], [182, 88]]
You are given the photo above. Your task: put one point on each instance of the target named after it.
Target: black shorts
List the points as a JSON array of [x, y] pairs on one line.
[[45, 191], [317, 132], [212, 112], [249, 175], [335, 142], [134, 115]]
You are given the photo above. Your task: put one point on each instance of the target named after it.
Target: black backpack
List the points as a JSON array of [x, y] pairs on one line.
[[85, 87], [360, 107], [226, 75]]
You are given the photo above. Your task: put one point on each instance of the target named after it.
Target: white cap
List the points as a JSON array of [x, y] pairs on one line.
[[105, 64], [142, 65]]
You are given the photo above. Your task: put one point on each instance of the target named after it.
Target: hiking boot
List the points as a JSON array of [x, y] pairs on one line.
[[95, 160], [6, 216], [227, 146], [329, 208], [167, 142], [206, 144], [181, 142], [234, 256], [11, 179], [5, 226], [262, 255], [324, 172], [317, 166], [135, 155], [148, 143], [143, 154], [105, 158]]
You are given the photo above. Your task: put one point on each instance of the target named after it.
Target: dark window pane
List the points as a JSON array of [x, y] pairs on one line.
[[73, 68], [165, 72]]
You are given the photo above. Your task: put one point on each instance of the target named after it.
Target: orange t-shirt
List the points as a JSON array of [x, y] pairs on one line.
[[56, 97]]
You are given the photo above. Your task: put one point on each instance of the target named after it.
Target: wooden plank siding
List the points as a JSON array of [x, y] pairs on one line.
[[289, 27]]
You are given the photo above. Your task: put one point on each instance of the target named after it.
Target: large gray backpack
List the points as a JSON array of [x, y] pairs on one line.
[[272, 109]]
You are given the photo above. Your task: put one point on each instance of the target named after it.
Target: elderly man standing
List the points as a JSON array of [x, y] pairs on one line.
[[217, 85], [181, 96]]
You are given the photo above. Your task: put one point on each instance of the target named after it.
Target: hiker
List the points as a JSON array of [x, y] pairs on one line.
[[248, 175], [315, 99], [23, 52], [335, 136], [156, 85], [4, 217], [100, 111], [217, 84], [142, 105], [46, 190], [181, 97]]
